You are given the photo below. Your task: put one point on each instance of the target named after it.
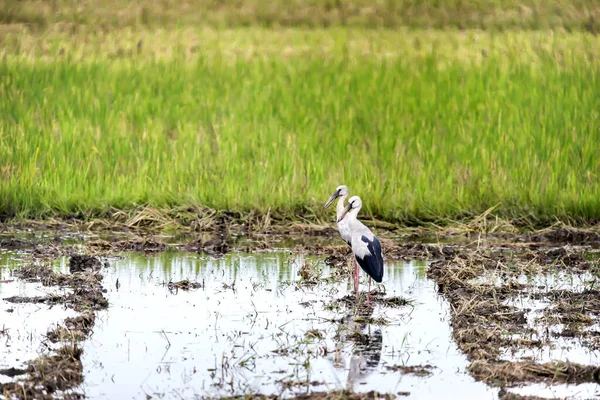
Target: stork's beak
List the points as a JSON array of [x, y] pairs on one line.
[[346, 209], [331, 199]]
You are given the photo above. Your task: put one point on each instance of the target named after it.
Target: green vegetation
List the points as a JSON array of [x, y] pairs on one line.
[[422, 124]]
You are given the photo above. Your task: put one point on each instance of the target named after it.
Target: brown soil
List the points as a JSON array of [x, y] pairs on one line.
[[504, 395], [566, 235], [183, 285], [87, 291], [504, 373], [486, 329], [137, 244], [74, 329], [48, 376], [13, 244], [350, 301], [216, 233], [574, 305], [333, 395], [419, 370], [12, 372], [79, 263], [216, 246]]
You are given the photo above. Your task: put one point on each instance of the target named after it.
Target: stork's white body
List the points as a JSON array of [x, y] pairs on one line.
[[357, 230]]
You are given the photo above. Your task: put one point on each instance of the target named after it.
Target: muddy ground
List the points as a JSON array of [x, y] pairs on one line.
[[483, 272]]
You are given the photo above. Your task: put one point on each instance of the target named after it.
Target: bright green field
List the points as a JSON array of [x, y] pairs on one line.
[[423, 125]]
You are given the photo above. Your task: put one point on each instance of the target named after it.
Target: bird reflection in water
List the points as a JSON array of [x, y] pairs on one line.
[[362, 342]]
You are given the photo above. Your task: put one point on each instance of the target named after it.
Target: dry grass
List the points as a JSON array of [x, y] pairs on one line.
[[574, 303], [87, 292], [75, 329], [48, 375], [108, 15], [485, 327], [135, 243], [510, 373], [418, 370]]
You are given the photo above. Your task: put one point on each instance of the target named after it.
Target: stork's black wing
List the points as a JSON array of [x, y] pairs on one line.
[[372, 263]]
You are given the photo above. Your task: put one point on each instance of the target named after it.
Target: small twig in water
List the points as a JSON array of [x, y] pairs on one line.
[[165, 335]]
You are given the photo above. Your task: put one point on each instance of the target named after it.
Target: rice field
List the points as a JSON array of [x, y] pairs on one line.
[[580, 15], [163, 170], [425, 125]]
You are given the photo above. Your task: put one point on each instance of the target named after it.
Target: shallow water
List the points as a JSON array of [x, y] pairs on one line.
[[255, 327], [555, 347], [245, 331], [564, 391]]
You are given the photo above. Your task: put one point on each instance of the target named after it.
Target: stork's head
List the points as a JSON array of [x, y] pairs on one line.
[[340, 191], [355, 203]]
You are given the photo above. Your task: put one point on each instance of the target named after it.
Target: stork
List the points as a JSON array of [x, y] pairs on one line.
[[341, 193], [365, 245]]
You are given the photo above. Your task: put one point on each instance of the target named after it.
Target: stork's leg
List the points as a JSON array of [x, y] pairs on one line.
[[355, 280], [369, 292], [356, 277], [350, 276], [351, 264]]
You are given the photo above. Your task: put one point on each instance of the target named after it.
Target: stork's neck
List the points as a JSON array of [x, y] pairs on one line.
[[352, 215], [339, 209]]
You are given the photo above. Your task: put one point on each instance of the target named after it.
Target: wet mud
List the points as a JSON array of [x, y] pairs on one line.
[[86, 287], [53, 375], [567, 235], [50, 377], [502, 306], [74, 329], [185, 284], [333, 395]]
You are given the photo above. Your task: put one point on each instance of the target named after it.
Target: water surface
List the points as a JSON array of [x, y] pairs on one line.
[[254, 327]]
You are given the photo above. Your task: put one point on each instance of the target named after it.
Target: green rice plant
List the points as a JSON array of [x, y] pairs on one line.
[[423, 125]]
